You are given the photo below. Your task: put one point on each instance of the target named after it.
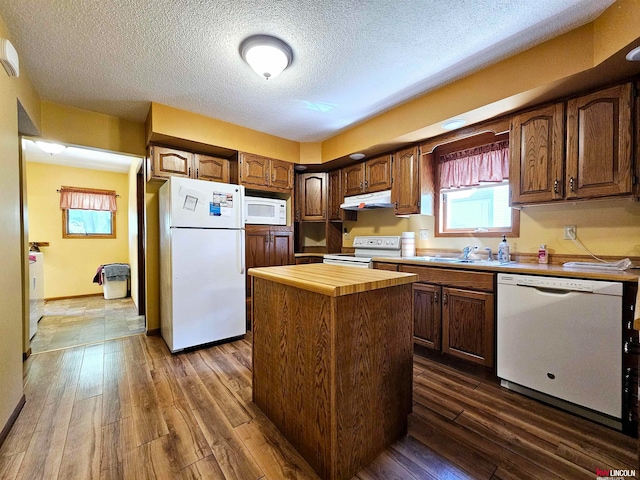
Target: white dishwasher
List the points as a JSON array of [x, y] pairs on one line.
[[562, 337]]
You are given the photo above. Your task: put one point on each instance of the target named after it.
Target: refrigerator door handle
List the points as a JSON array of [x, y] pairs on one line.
[[241, 265]]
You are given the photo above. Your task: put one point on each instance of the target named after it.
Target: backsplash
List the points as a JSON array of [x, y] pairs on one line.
[[606, 227]]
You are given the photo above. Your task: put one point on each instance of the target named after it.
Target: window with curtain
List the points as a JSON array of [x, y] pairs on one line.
[[88, 213], [473, 186]]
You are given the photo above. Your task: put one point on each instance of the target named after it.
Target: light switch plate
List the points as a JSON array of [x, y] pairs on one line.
[[424, 234]]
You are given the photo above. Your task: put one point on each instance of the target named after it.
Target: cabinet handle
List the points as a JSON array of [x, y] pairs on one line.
[[266, 177], [189, 171], [571, 184], [366, 184], [445, 297], [197, 173], [555, 186], [266, 239], [435, 297]]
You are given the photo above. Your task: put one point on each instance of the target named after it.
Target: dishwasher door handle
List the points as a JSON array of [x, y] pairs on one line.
[[554, 291]]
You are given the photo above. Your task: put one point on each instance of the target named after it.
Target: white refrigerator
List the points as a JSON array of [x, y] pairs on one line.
[[202, 262]]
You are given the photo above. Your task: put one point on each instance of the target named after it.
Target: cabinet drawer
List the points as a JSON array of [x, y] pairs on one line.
[[386, 266], [454, 278]]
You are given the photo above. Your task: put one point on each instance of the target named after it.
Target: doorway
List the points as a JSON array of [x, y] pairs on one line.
[[78, 311]]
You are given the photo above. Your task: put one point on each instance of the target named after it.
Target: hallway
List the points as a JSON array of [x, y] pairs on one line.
[[85, 320]]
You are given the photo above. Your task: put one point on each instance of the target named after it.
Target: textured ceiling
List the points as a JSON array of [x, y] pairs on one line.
[[352, 59]]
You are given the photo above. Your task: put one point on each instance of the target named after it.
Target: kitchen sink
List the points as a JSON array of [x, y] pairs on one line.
[[476, 261]]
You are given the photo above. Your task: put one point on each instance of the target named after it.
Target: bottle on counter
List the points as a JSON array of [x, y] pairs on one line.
[[503, 250], [543, 254]]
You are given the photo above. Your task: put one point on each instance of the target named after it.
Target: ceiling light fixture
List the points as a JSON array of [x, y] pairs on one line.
[[268, 56], [634, 55], [356, 156], [453, 124], [50, 148]]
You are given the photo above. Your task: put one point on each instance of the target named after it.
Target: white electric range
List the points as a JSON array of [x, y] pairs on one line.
[[367, 247]]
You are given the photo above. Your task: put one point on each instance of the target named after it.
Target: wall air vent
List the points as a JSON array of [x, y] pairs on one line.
[[9, 58]]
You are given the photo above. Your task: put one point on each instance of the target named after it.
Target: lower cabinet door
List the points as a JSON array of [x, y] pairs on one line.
[[468, 325], [427, 315]]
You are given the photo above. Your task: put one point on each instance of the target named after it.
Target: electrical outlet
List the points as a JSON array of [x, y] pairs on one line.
[[347, 235], [424, 234], [570, 232]]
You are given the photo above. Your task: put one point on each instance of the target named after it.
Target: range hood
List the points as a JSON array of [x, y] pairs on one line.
[[368, 201]]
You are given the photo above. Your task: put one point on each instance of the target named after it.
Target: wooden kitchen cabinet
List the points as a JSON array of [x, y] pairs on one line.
[[336, 198], [377, 174], [267, 246], [468, 321], [536, 152], [311, 197], [371, 176], [599, 151], [165, 162], [210, 168], [427, 315], [598, 139], [405, 189], [265, 173], [454, 312], [353, 179]]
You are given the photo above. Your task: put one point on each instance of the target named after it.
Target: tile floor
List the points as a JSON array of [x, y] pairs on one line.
[[79, 321]]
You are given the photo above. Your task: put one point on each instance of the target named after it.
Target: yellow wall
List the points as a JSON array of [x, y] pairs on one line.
[[173, 122], [606, 227], [70, 263], [74, 126], [14, 262]]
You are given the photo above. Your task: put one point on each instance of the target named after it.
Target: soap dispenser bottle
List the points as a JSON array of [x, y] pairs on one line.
[[503, 250]]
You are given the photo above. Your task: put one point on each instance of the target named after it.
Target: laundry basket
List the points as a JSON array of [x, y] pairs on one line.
[[115, 278]]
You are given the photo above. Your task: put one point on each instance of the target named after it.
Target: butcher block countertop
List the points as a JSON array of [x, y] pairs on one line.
[[332, 280]]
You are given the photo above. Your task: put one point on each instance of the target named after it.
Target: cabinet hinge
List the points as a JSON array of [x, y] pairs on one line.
[[634, 180]]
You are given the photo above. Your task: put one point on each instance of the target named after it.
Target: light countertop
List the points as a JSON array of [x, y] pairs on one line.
[[630, 275]]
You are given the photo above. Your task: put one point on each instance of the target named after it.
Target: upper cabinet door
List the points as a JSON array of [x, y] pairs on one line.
[[536, 155], [405, 191], [281, 174], [353, 179], [312, 196], [378, 174], [212, 169], [599, 136], [335, 194], [168, 162], [254, 170]]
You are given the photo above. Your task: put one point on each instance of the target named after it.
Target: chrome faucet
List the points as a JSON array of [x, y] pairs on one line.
[[466, 251], [489, 254]]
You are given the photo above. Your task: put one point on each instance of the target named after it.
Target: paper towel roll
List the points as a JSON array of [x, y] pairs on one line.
[[408, 244]]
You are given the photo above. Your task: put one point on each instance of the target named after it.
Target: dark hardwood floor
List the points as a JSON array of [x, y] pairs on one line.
[[127, 408]]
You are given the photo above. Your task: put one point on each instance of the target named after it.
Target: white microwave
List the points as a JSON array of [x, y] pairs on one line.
[[265, 211]]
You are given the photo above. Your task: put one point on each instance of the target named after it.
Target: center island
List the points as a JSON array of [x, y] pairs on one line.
[[332, 360]]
